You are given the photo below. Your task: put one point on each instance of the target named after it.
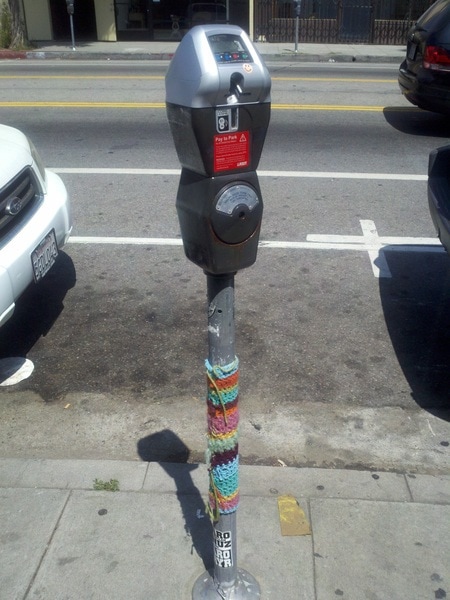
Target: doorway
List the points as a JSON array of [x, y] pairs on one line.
[[84, 24], [134, 19]]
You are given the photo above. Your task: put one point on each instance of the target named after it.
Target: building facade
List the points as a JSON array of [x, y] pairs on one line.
[[116, 20], [320, 21]]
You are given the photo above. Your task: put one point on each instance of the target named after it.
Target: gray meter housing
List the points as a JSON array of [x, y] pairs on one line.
[[218, 108], [220, 220], [217, 82]]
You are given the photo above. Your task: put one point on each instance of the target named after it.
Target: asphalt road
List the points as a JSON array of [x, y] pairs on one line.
[[344, 347]]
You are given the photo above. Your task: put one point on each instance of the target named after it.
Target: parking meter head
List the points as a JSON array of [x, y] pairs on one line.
[[70, 6], [218, 107], [217, 86], [220, 220]]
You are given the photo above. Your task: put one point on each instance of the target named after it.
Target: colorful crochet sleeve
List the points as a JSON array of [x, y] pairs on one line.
[[222, 453]]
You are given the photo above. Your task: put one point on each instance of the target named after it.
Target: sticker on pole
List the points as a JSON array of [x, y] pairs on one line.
[[231, 151], [223, 548]]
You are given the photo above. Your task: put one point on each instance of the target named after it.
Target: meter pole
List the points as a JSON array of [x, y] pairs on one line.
[[227, 582]]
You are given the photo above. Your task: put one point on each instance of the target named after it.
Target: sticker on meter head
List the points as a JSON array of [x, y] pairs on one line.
[[227, 119], [247, 68], [223, 122], [232, 151]]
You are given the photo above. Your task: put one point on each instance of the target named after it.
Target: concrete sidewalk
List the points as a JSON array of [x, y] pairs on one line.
[[165, 50], [375, 536]]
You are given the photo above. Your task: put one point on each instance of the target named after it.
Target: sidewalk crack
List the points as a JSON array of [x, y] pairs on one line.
[[44, 554]]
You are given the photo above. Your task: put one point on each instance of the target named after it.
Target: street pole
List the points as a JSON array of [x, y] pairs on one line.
[[72, 32], [297, 7], [71, 10], [227, 582]]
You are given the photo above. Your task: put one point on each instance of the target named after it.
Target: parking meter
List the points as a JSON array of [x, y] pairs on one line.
[[297, 7], [218, 107], [70, 6]]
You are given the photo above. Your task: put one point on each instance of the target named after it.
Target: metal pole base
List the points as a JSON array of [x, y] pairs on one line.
[[245, 586]]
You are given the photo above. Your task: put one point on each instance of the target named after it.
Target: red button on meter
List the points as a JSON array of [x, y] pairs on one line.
[[231, 151]]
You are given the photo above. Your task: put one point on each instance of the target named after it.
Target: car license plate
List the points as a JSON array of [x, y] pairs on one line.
[[44, 256]]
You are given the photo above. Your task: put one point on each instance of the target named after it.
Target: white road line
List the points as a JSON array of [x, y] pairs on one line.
[[125, 241], [314, 242], [343, 175], [114, 171], [294, 174], [384, 240], [375, 245], [377, 257], [369, 242], [431, 246]]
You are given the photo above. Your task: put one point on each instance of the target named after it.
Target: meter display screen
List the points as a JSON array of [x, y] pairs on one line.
[[229, 48]]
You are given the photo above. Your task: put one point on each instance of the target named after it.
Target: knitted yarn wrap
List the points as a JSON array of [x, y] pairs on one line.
[[222, 453]]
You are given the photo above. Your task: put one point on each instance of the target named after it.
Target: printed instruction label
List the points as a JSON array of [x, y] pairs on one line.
[[223, 552], [231, 151]]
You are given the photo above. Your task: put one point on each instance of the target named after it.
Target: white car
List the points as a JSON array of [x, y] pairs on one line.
[[35, 218]]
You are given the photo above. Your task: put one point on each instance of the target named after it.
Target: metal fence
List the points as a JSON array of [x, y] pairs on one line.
[[343, 21]]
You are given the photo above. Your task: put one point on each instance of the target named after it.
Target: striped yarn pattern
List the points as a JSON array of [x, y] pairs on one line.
[[222, 453]]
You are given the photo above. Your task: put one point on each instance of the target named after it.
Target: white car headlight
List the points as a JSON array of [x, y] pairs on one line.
[[37, 161]]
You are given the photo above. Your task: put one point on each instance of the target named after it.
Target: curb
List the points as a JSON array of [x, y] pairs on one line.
[[332, 58], [288, 55], [13, 54], [74, 55]]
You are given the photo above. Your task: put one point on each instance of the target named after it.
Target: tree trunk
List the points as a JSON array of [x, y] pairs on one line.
[[19, 37]]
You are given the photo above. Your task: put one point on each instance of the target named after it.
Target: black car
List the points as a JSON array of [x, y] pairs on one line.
[[439, 193], [424, 75]]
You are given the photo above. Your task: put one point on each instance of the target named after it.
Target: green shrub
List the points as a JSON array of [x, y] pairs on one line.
[[107, 486]]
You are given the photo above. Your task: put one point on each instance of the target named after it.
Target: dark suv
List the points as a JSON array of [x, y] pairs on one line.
[[424, 75]]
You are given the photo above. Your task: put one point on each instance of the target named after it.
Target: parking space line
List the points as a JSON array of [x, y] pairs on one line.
[[295, 174], [377, 257], [126, 241], [375, 245], [344, 175], [369, 242]]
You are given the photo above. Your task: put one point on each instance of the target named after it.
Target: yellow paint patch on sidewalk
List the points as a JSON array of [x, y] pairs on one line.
[[293, 520]]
